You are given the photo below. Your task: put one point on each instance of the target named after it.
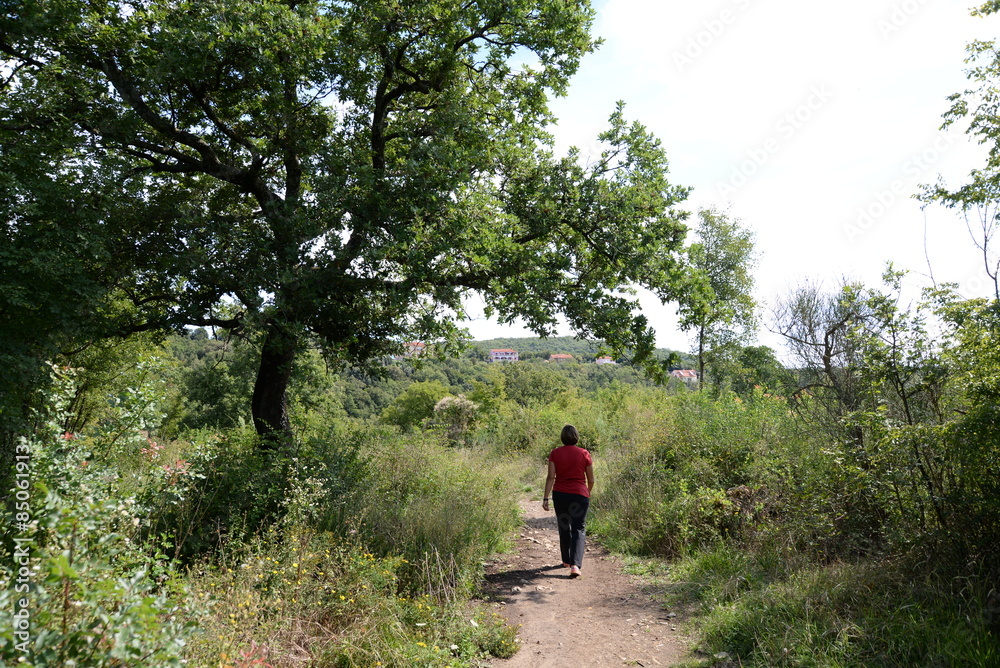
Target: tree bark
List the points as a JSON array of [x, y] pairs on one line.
[[269, 405], [701, 357]]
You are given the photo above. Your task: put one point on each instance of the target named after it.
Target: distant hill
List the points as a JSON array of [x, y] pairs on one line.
[[585, 351]]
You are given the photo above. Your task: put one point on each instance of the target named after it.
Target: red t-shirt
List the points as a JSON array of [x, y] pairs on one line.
[[571, 469]]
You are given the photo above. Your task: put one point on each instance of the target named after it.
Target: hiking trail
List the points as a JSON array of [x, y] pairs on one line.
[[603, 618]]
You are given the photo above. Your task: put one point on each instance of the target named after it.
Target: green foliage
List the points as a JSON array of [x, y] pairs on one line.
[[533, 383], [95, 600], [695, 471], [414, 405], [758, 366], [722, 310], [94, 595], [891, 614], [213, 378], [322, 173]]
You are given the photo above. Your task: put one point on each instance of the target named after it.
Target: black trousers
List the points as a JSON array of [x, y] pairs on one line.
[[571, 516]]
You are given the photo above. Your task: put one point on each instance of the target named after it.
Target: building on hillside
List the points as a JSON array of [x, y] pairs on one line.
[[687, 376], [604, 359], [503, 355], [560, 357], [412, 349]]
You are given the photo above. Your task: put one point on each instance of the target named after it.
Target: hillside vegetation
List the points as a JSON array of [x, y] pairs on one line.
[[161, 534]]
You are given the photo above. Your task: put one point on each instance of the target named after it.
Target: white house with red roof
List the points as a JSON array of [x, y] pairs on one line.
[[503, 355], [688, 376]]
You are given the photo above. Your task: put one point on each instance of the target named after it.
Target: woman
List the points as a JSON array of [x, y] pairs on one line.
[[570, 479]]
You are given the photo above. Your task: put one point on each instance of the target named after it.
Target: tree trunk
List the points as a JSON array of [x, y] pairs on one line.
[[269, 405], [701, 357]]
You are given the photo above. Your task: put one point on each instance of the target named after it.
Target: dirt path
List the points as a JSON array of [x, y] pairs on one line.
[[600, 619]]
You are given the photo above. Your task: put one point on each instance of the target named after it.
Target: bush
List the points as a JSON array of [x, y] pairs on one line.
[[94, 595], [696, 471]]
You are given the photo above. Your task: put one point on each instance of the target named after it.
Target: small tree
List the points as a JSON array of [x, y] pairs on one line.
[[817, 327], [722, 310], [414, 405], [979, 198]]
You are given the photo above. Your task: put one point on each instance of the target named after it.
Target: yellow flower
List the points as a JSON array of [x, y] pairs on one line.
[[422, 644]]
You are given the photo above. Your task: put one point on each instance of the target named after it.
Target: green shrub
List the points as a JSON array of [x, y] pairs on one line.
[[697, 470], [414, 405], [93, 594]]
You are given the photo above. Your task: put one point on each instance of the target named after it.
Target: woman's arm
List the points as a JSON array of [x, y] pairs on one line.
[[590, 477], [550, 480]]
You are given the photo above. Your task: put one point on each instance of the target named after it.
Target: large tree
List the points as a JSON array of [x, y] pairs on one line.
[[336, 171]]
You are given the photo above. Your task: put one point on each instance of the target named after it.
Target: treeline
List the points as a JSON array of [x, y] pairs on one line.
[[213, 377], [582, 350]]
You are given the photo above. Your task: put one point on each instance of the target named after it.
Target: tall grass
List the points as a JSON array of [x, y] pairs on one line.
[[443, 509], [294, 596], [887, 613], [374, 561]]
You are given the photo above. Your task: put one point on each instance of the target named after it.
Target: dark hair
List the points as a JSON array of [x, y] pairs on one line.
[[570, 436]]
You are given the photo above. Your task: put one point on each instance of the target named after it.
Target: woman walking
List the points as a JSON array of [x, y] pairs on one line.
[[568, 485]]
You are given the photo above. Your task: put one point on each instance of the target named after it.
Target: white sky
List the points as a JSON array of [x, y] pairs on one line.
[[811, 122]]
